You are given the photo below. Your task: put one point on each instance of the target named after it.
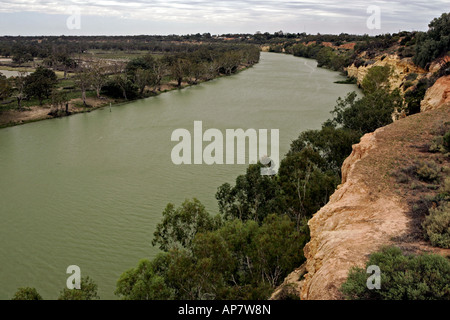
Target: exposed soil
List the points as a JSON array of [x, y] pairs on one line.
[[372, 208], [36, 113]]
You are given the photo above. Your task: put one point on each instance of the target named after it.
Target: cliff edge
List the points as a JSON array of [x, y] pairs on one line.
[[370, 209]]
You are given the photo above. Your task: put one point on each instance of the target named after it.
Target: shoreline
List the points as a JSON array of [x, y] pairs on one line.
[[12, 118]]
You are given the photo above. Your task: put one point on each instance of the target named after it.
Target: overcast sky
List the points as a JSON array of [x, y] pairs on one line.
[[121, 17]]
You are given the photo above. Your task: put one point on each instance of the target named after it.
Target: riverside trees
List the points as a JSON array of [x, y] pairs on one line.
[[140, 77], [205, 63], [40, 83]]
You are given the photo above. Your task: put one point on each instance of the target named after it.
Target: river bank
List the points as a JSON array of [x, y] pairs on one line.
[[13, 117]]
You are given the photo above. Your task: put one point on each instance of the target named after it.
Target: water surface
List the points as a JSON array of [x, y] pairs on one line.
[[89, 189]]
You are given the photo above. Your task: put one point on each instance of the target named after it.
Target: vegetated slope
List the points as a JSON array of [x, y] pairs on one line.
[[370, 209]]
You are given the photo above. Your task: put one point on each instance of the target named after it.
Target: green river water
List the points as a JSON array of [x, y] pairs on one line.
[[89, 189]]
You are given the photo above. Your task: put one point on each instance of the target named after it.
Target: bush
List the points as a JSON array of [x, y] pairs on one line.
[[441, 143], [407, 85], [88, 291], [414, 96], [427, 171], [446, 141], [27, 293], [377, 78], [437, 226], [411, 76], [403, 277]]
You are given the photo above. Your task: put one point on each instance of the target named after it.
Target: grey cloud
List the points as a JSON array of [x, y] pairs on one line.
[[248, 15]]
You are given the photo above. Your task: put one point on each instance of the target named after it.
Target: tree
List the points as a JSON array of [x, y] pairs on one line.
[[26, 293], [21, 54], [19, 88], [278, 249], [333, 144], [306, 187], [434, 43], [88, 291], [253, 197], [146, 71], [178, 69], [179, 226], [437, 225], [83, 80], [230, 62], [159, 71], [143, 78], [122, 82], [99, 76], [144, 282], [60, 58], [5, 88], [240, 260], [368, 113], [377, 78], [40, 83], [59, 102]]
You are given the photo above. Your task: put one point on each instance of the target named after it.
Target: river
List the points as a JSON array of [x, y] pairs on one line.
[[89, 189]]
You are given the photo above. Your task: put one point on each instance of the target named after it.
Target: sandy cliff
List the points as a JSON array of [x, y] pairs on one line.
[[367, 211], [437, 96], [401, 68], [358, 219]]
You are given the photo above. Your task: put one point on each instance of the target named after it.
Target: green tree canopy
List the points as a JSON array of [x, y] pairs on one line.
[[377, 78], [40, 83], [432, 44], [179, 226], [26, 293], [88, 291]]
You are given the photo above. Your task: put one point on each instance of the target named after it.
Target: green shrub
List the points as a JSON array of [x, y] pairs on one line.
[[445, 188], [88, 291], [437, 226], [441, 143], [403, 277], [27, 293], [411, 76], [361, 115], [446, 141], [427, 171], [407, 84], [433, 43]]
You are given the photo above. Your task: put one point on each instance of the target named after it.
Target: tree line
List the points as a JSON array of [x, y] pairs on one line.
[[136, 78]]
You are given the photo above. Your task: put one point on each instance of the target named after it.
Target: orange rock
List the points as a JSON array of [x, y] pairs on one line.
[[437, 96]]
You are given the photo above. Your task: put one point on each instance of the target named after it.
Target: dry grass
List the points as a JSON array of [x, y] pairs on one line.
[[403, 149]]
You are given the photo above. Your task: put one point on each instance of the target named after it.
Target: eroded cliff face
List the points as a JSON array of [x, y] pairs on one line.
[[367, 211], [400, 68], [357, 220], [437, 96]]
